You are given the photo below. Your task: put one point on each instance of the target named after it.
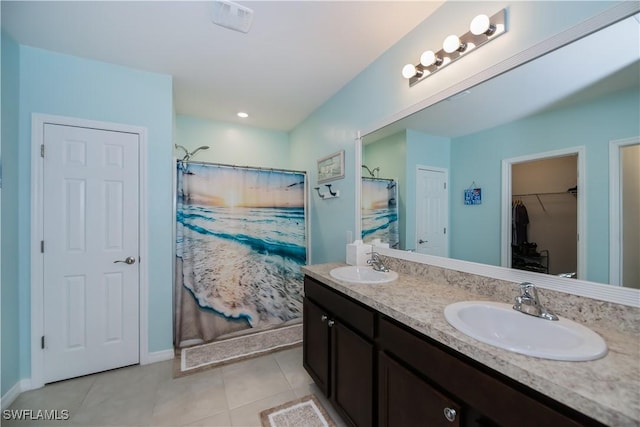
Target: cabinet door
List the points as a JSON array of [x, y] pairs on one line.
[[315, 348], [353, 374], [405, 399]]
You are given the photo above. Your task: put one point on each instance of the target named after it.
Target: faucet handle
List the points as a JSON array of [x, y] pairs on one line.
[[528, 290], [527, 302]]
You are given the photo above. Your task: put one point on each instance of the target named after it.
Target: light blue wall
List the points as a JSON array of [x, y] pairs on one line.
[[52, 83], [399, 155], [10, 238], [233, 144], [478, 158], [380, 92], [390, 155], [422, 150]]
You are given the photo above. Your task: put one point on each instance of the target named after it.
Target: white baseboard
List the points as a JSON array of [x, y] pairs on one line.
[[14, 392], [157, 356]]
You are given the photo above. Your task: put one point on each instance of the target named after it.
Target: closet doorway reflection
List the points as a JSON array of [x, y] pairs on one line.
[[544, 214]]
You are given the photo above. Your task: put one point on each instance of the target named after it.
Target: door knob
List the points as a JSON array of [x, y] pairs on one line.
[[128, 260], [422, 241]]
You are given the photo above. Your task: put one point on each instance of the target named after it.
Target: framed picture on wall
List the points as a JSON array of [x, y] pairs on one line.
[[331, 167]]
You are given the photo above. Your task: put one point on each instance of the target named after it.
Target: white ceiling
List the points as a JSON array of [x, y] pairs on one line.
[[295, 57]]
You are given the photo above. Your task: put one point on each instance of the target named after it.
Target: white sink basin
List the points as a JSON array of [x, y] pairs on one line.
[[365, 275], [500, 325]]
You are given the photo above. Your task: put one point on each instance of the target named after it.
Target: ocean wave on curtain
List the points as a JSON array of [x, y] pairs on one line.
[[240, 242], [380, 211]]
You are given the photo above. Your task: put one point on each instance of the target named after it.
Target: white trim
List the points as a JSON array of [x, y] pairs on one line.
[[158, 356], [37, 218], [12, 394], [307, 216], [614, 294], [615, 209], [505, 239], [415, 208], [358, 192]]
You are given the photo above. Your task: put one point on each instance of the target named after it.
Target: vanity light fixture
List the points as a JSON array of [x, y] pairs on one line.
[[410, 70], [452, 43], [483, 29], [429, 58], [481, 24]]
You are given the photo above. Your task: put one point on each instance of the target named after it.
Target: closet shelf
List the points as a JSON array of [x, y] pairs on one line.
[[573, 191]]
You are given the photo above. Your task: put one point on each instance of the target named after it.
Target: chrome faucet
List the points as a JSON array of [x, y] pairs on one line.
[[528, 303], [376, 262]]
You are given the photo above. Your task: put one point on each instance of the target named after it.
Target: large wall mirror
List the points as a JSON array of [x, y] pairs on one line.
[[548, 149]]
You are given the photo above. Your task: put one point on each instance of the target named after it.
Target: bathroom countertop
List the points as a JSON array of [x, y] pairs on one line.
[[607, 389]]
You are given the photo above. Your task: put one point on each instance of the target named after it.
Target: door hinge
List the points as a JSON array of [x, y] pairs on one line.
[[445, 185], [445, 230], [41, 150], [41, 246], [42, 342]]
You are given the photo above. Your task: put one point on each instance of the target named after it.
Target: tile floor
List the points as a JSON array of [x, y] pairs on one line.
[[231, 395]]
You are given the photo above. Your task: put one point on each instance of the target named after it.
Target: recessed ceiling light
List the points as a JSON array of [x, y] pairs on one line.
[[243, 115]]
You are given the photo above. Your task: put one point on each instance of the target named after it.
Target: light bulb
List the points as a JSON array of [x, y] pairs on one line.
[[409, 71], [452, 43], [429, 58], [481, 25]]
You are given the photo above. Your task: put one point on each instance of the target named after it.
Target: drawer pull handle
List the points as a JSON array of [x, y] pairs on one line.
[[450, 414], [330, 323], [323, 317]]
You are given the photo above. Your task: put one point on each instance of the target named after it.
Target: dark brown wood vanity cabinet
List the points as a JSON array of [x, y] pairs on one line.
[[423, 383], [338, 351], [378, 372]]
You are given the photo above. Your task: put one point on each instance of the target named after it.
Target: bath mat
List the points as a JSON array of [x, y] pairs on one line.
[[216, 353], [306, 411]]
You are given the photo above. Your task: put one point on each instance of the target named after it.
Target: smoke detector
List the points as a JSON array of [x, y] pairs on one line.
[[232, 15]]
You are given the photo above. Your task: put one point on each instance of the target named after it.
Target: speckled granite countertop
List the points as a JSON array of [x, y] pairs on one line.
[[607, 389]]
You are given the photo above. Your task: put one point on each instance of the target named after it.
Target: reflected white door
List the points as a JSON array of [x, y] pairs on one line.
[[431, 211], [630, 213], [90, 222]]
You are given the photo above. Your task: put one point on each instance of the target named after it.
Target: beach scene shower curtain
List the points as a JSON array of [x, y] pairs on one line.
[[240, 242], [380, 211]]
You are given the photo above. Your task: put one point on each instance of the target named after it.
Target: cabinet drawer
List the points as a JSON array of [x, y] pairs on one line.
[[497, 399], [350, 312]]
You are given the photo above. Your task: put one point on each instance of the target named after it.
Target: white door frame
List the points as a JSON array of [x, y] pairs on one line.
[[37, 232], [446, 205], [582, 203], [615, 209]]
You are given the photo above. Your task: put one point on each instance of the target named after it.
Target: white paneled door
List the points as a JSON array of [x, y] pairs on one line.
[[91, 250], [431, 211]]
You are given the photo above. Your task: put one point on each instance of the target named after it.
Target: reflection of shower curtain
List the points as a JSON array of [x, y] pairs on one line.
[[380, 211], [240, 242]]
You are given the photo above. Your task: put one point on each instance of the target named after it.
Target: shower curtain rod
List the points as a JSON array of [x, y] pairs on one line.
[[379, 179], [238, 166]]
